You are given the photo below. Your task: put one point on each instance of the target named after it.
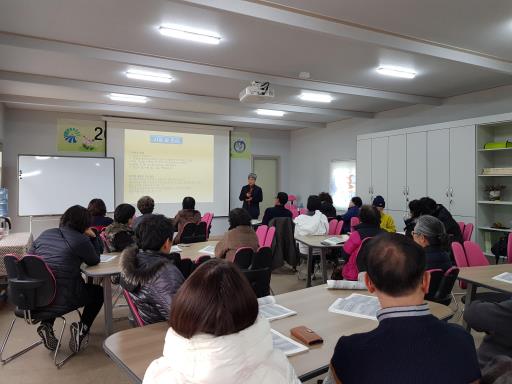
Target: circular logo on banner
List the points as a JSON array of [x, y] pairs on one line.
[[71, 135], [239, 146]]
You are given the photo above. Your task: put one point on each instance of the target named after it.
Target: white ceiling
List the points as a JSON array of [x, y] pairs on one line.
[[73, 53]]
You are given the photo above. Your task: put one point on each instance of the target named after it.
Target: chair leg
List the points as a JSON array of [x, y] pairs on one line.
[[60, 363], [4, 344], [457, 307]]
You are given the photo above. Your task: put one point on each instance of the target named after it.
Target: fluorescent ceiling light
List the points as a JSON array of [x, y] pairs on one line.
[[317, 97], [404, 73], [130, 98], [188, 33], [141, 74], [269, 112]]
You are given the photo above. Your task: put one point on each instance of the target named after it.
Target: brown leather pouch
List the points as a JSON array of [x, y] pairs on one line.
[[306, 335]]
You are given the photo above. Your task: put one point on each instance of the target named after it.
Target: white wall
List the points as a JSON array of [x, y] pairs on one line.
[[34, 132], [312, 150]]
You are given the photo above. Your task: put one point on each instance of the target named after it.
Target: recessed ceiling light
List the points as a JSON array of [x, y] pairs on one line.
[[317, 97], [269, 112], [188, 33], [142, 74], [404, 73], [130, 98]]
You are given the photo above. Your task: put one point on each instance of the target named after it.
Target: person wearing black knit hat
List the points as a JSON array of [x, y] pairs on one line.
[[386, 221]]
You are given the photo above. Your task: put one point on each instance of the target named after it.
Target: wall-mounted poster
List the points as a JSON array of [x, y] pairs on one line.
[[343, 182], [80, 136], [240, 145]]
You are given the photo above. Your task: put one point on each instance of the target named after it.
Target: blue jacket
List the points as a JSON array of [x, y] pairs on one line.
[[351, 212]]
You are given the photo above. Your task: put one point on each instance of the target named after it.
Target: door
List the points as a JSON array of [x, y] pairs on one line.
[[438, 171], [267, 169], [364, 170], [397, 172], [380, 167], [416, 165], [462, 171]]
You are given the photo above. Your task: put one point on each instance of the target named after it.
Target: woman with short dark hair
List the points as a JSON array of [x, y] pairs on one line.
[[146, 206], [188, 214], [353, 211], [239, 235], [98, 210], [64, 249], [120, 234], [327, 207], [216, 335]]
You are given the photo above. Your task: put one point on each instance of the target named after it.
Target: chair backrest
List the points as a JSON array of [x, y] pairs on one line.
[[474, 254], [262, 258], [269, 238], [261, 233], [106, 244], [209, 224], [436, 275], [353, 222], [354, 265], [292, 199], [459, 255], [303, 211], [259, 279], [339, 228], [31, 283], [468, 232], [461, 226], [193, 233], [443, 294], [133, 309], [332, 227], [243, 257], [509, 248]]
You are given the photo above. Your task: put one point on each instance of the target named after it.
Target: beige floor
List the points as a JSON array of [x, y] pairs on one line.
[[92, 365]]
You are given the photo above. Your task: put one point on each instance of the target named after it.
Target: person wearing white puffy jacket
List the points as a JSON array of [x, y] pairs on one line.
[[312, 222], [216, 335]]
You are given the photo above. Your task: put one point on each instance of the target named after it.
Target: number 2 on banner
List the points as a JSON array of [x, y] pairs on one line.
[[100, 133]]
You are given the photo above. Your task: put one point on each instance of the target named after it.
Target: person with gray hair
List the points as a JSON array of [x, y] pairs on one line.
[[429, 232], [252, 196]]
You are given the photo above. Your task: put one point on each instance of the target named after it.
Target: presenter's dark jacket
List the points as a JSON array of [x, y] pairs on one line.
[[253, 206], [273, 212]]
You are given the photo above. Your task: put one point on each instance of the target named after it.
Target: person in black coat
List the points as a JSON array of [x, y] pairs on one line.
[[414, 213], [430, 233], [430, 207], [278, 210], [64, 249], [327, 207], [98, 211], [252, 196], [353, 211]]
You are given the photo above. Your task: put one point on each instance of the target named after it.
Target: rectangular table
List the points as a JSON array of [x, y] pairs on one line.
[[315, 242], [476, 277], [105, 271], [134, 349], [14, 244]]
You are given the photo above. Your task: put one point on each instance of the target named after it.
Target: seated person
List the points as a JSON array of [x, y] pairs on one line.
[[120, 234], [146, 206], [386, 221], [278, 210], [494, 319], [64, 249], [218, 338], [187, 215], [148, 272], [430, 207], [414, 213], [429, 232], [409, 345], [327, 207], [313, 222], [239, 235], [353, 211], [98, 210]]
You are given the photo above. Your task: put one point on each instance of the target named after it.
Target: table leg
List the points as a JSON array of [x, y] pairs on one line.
[[470, 296], [310, 266], [323, 261], [107, 305]]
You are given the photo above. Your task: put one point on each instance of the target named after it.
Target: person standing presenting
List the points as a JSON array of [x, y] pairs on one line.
[[252, 196]]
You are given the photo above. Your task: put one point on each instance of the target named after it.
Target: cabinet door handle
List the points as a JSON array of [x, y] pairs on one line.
[[451, 192], [448, 192]]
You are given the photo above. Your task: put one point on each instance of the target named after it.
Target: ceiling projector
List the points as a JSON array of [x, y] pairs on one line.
[[257, 92]]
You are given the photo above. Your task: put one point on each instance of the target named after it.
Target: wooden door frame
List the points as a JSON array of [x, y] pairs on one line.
[[278, 170]]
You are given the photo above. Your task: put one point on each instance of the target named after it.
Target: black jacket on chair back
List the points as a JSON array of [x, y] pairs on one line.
[[64, 250]]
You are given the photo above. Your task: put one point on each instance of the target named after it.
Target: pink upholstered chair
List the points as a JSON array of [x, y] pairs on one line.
[[270, 237], [474, 255], [332, 227], [353, 222], [292, 199], [459, 255], [261, 232], [468, 232], [339, 227], [461, 226], [133, 309]]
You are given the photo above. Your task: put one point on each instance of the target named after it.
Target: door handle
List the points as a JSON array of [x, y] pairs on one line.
[[451, 192]]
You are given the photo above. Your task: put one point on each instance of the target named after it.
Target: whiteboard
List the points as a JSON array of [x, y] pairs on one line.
[[48, 185]]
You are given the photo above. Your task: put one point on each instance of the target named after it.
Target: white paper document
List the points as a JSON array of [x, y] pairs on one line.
[[209, 250], [288, 346], [176, 249], [505, 277], [107, 258], [271, 310], [357, 305], [333, 241], [348, 284]]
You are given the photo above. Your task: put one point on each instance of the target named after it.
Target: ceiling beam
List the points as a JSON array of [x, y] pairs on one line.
[[204, 69], [156, 113], [220, 101], [319, 23]]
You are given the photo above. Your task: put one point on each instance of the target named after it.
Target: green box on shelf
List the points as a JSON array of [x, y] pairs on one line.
[[498, 145]]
